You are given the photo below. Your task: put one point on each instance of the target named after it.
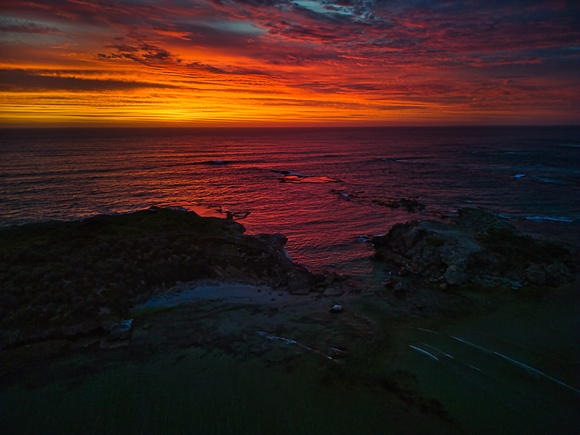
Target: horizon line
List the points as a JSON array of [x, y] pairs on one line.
[[165, 126]]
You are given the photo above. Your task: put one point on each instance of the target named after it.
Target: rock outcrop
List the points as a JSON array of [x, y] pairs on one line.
[[64, 278], [477, 247]]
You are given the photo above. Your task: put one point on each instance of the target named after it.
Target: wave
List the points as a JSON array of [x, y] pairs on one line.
[[400, 159], [526, 367], [521, 153], [424, 352], [58, 173], [484, 167], [548, 180], [537, 218], [540, 179], [547, 218], [215, 162], [185, 164]]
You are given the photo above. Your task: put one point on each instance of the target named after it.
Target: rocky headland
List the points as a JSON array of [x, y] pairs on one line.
[[63, 279]]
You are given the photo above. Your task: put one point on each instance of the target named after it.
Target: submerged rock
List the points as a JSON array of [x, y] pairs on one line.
[[477, 247], [410, 204], [233, 214], [294, 178]]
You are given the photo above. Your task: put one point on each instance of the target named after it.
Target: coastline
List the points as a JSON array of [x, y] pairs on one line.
[[280, 325]]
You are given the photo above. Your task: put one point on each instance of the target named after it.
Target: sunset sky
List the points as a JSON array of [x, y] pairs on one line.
[[301, 62]]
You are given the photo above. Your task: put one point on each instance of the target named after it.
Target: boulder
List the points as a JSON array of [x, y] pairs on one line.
[[455, 275], [300, 281]]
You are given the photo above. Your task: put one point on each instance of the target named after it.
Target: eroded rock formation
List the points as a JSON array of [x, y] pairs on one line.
[[477, 247]]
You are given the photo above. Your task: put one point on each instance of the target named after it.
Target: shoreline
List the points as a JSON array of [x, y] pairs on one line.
[[282, 324], [425, 261]]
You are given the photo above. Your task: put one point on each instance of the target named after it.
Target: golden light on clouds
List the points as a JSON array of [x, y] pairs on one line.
[[264, 62]]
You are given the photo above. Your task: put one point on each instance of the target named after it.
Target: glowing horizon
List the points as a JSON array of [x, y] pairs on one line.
[[282, 63]]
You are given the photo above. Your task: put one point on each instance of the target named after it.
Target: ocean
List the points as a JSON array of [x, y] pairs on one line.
[[321, 187], [512, 369]]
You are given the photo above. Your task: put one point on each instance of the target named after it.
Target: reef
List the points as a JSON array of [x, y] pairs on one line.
[[409, 204]]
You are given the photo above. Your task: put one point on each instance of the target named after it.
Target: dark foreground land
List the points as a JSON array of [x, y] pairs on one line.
[[162, 320]]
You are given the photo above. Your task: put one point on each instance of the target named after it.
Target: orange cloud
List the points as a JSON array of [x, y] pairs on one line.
[[289, 62]]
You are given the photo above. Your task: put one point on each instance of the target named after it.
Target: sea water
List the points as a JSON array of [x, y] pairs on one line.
[[514, 370], [338, 177]]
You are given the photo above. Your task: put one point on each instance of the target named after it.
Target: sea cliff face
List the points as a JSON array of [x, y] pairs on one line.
[[70, 278]]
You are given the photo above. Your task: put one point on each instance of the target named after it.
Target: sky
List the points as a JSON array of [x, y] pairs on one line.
[[289, 62]]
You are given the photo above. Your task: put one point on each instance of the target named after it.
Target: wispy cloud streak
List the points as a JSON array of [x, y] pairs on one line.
[[397, 62]]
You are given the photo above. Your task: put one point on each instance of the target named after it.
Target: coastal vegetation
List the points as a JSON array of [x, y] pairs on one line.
[[67, 278]]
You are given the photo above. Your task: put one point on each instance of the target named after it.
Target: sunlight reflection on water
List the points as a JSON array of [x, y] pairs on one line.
[[67, 174]]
